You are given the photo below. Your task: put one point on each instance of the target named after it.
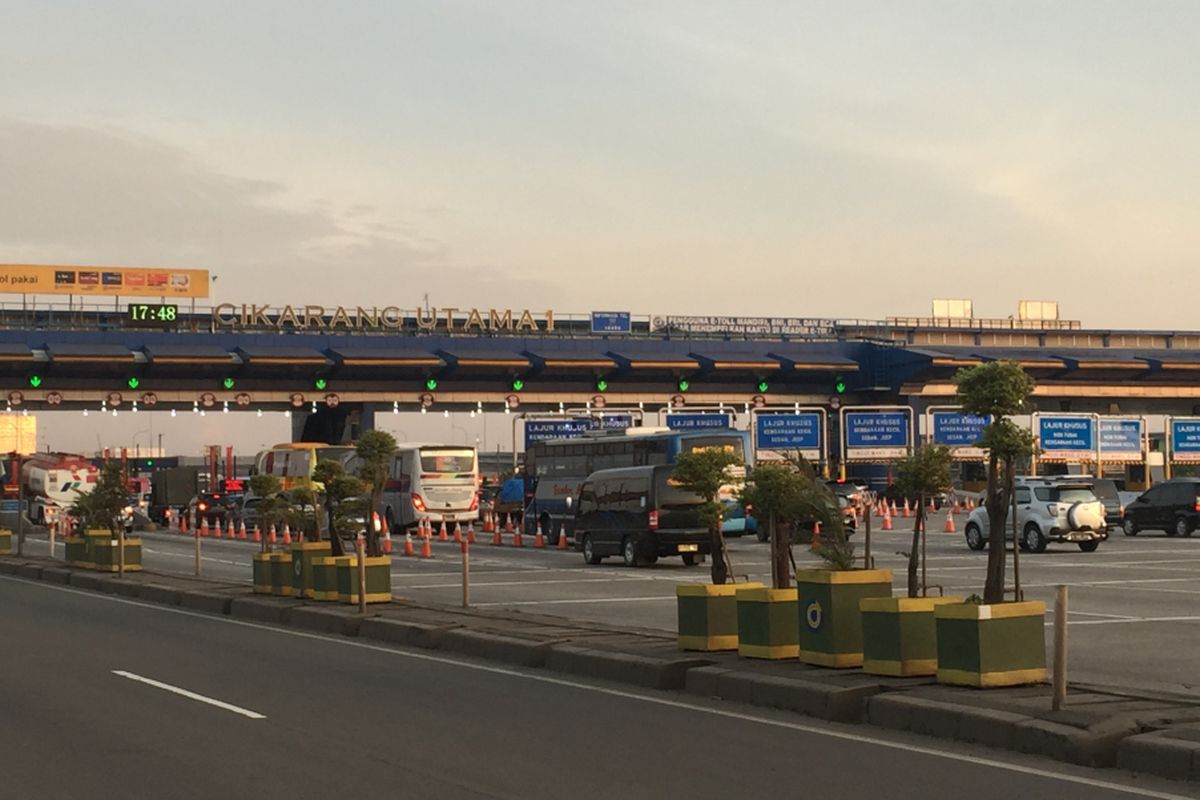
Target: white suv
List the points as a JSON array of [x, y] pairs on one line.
[[1048, 510]]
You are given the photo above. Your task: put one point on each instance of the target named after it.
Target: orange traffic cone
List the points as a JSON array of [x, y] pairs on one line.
[[287, 534], [508, 525], [970, 504], [517, 542], [562, 537], [887, 522], [895, 510], [257, 533], [497, 536], [443, 535], [538, 539], [242, 531], [230, 533], [457, 533], [271, 538], [408, 544], [816, 535], [907, 509], [387, 543], [204, 527], [427, 547], [949, 524], [932, 507], [183, 524], [470, 533]]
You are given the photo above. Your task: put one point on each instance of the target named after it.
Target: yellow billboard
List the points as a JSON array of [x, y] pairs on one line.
[[103, 281], [18, 434]]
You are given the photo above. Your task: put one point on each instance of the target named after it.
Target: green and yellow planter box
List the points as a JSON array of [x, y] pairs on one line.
[[281, 574], [325, 576], [767, 623], [708, 615], [106, 553], [77, 552], [900, 635], [303, 554], [986, 646], [830, 622], [94, 539], [5, 543], [262, 573], [379, 579]]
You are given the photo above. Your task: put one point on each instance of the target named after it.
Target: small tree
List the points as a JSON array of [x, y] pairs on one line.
[[340, 496], [375, 451], [923, 473], [999, 389], [306, 494], [273, 508], [705, 472], [835, 549], [105, 506]]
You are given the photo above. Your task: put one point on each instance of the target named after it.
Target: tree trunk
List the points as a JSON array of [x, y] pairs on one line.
[[914, 554], [719, 572], [997, 510], [780, 574]]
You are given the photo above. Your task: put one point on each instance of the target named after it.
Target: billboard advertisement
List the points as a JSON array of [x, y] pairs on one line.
[[103, 281]]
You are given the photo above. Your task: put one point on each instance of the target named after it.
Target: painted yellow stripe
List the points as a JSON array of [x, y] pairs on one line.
[[873, 666], [835, 660], [991, 680], [766, 651], [903, 605], [844, 576], [761, 594], [712, 589], [708, 643], [1030, 608]]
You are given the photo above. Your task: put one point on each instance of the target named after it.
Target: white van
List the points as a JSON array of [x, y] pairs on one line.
[[437, 482]]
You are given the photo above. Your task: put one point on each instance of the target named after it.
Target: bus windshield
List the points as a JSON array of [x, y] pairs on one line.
[[447, 461]]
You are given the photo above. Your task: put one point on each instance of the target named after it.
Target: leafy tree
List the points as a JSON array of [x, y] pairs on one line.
[[105, 507], [923, 473], [305, 498], [998, 389], [273, 508], [375, 450], [705, 472], [342, 495]]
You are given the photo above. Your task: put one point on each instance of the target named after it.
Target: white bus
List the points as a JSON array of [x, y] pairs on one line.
[[437, 482]]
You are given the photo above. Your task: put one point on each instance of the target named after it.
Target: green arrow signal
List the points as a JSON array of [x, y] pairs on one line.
[[684, 386], [431, 384], [518, 385], [602, 385], [762, 386], [320, 383], [228, 383], [133, 383], [35, 381], [840, 386]]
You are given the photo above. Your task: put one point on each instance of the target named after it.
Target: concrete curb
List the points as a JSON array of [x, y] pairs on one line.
[[494, 647], [834, 703], [944, 720], [155, 593], [208, 602], [29, 571], [1159, 754], [323, 620], [256, 609], [411, 634], [60, 575], [652, 673]]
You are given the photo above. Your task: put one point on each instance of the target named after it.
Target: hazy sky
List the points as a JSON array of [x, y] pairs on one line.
[[787, 158]]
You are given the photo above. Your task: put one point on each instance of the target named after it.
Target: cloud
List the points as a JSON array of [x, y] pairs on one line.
[[73, 194]]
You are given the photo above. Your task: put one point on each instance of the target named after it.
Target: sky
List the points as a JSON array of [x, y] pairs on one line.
[[804, 159]]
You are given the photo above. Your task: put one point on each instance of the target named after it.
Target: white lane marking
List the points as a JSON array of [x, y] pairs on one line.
[[575, 601], [245, 712], [856, 736], [1098, 614], [524, 583], [1131, 619]]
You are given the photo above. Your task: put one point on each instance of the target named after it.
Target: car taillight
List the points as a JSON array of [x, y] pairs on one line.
[[653, 520], [203, 506], [1197, 506], [474, 503], [418, 503]]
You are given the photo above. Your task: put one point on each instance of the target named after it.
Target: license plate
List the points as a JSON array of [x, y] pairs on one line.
[[689, 548]]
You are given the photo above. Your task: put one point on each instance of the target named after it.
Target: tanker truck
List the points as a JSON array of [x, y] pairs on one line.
[[53, 481]]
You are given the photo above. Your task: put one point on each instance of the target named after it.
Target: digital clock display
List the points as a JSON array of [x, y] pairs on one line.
[[152, 314]]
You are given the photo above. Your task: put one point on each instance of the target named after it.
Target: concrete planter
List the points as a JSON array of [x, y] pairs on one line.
[[303, 554], [987, 646], [708, 615], [767, 623], [106, 553], [325, 587], [900, 635], [262, 573], [6, 543], [77, 552], [379, 579], [830, 622], [94, 539], [281, 574]]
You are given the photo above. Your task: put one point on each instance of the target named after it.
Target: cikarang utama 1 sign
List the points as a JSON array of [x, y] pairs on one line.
[[103, 281], [248, 316]]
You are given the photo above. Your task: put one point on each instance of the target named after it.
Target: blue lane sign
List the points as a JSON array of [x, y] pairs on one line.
[[698, 422], [1121, 439], [611, 322], [876, 434], [1185, 440], [541, 430], [956, 429], [788, 431], [1061, 437], [611, 422]]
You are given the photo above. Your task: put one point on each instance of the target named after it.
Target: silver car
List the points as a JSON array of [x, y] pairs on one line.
[[1048, 510]]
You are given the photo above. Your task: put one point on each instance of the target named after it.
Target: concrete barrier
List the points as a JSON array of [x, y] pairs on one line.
[[494, 647], [403, 632], [324, 620], [652, 673], [261, 609], [1162, 754], [208, 602], [60, 575], [156, 593]]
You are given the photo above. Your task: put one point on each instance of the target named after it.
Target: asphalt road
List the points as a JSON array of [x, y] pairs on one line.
[[1132, 621], [109, 698]]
